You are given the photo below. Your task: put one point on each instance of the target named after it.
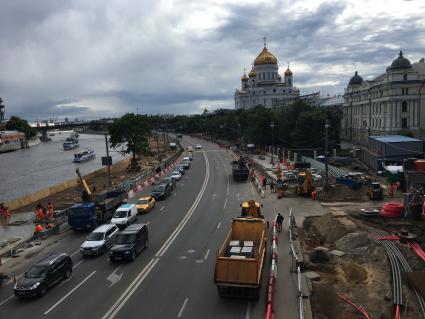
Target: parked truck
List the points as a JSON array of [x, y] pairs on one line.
[[240, 260], [89, 214], [240, 171]]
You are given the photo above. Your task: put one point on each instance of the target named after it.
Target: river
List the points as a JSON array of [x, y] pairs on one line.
[[46, 164]]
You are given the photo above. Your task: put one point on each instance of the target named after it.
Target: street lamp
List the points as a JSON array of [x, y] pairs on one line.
[[326, 154], [272, 125]]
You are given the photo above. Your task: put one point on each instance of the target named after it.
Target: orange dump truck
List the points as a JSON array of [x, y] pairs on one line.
[[240, 260]]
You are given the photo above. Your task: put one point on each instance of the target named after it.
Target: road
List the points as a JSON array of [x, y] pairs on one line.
[[173, 278]]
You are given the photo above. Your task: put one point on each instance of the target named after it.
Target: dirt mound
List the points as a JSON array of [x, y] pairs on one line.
[[354, 273], [355, 243], [327, 227], [339, 193]]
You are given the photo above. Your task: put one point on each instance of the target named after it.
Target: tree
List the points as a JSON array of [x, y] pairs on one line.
[[16, 123], [130, 133]]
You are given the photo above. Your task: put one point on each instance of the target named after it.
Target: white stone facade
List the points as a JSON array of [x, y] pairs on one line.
[[264, 86], [392, 103]]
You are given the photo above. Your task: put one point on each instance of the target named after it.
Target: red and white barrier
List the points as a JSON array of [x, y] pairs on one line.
[[273, 275]]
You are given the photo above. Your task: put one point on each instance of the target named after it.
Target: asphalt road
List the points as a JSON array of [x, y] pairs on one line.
[[173, 278]]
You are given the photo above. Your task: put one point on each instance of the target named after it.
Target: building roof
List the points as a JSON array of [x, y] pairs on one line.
[[356, 79], [333, 101], [394, 138], [265, 57], [401, 62]]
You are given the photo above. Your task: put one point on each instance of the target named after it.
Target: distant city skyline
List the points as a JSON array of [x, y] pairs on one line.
[[102, 58]]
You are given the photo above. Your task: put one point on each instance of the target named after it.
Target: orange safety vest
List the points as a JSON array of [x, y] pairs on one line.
[[50, 210], [38, 228]]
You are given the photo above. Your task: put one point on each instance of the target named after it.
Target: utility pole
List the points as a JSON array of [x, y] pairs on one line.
[[272, 125], [108, 159], [326, 155], [157, 144]]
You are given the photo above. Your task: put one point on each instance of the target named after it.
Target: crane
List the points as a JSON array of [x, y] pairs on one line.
[[86, 195]]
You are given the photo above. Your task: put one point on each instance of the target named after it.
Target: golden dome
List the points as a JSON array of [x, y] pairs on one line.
[[265, 57], [244, 77], [252, 73], [288, 71]]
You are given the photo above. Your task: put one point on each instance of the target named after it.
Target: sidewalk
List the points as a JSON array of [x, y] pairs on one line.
[[286, 303]]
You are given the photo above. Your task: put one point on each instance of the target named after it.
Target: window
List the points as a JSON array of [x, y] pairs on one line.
[[404, 107], [403, 123], [407, 91], [405, 77], [289, 81]]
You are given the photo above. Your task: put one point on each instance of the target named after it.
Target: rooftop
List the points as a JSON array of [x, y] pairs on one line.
[[394, 138]]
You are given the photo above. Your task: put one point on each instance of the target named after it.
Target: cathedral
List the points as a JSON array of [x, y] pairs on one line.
[[264, 85]]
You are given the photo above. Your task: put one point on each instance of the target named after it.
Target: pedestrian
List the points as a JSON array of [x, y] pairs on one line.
[[398, 185], [50, 212], [391, 190], [314, 195], [279, 221], [264, 179], [271, 186]]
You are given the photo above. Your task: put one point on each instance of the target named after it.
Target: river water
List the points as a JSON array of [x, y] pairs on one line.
[[26, 171]]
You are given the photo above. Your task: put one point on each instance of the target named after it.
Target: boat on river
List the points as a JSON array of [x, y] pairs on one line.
[[11, 141], [84, 156], [70, 144]]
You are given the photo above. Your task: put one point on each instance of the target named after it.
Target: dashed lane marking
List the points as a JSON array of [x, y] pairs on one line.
[[182, 308]]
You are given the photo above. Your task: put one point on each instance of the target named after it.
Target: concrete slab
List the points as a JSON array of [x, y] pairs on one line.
[[312, 275]]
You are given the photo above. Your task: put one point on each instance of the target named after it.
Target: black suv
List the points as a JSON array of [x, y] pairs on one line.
[[161, 191], [44, 274], [130, 242], [170, 181]]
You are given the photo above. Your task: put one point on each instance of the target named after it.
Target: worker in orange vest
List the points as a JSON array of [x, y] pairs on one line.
[[398, 185], [314, 195], [39, 212], [38, 228], [50, 212]]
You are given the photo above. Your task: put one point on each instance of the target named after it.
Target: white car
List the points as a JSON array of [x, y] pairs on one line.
[[176, 175], [124, 215], [198, 146], [102, 238]]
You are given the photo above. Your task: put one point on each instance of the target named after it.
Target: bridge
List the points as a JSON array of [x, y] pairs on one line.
[[45, 127]]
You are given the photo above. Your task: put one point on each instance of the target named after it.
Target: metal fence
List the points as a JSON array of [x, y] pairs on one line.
[[333, 170], [297, 265]]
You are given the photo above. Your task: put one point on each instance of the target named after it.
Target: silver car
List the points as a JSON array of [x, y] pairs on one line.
[[99, 240]]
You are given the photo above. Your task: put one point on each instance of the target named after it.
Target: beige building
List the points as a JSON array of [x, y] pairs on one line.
[[392, 103]]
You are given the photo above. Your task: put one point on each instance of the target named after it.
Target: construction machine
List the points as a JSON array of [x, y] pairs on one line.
[[305, 183], [86, 195], [251, 208], [375, 191]]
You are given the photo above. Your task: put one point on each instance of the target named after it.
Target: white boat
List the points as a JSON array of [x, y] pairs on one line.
[[70, 144], [11, 141], [84, 156]]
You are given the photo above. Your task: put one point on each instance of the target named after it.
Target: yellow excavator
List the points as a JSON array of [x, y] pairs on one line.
[[251, 208], [86, 195], [305, 184]]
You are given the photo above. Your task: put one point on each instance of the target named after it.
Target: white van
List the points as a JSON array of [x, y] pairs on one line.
[[124, 215]]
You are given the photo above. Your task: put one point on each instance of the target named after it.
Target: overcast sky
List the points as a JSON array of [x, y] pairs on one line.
[[97, 58]]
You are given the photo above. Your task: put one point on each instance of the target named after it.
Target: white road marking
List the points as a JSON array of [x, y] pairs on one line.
[[77, 264], [69, 293], [114, 277], [125, 296], [213, 196], [206, 255], [6, 300], [252, 190], [162, 208], [218, 225], [74, 253], [174, 195], [248, 311], [191, 251], [225, 203], [147, 223], [182, 308], [183, 257]]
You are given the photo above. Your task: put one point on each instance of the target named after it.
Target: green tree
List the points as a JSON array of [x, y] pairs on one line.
[[130, 133], [16, 123]]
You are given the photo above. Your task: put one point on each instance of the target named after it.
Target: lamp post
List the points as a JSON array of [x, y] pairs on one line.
[[326, 154], [272, 125], [107, 157]]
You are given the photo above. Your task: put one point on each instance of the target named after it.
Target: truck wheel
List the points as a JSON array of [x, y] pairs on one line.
[[102, 250], [146, 243]]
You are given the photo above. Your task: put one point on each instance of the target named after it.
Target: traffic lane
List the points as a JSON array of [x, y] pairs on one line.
[[190, 252], [89, 295], [164, 282], [77, 242]]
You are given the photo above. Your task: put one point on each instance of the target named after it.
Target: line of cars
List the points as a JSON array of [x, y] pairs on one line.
[[124, 239]]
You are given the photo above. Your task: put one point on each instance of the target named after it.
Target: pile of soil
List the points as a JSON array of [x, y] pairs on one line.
[[340, 193], [119, 173]]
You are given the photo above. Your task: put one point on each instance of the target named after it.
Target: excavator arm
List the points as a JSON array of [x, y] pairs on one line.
[[86, 194]]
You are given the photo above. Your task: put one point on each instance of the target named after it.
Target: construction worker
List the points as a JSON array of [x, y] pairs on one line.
[[314, 195], [271, 186], [38, 228], [391, 190], [398, 185], [4, 211], [279, 221], [50, 212], [39, 212]]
